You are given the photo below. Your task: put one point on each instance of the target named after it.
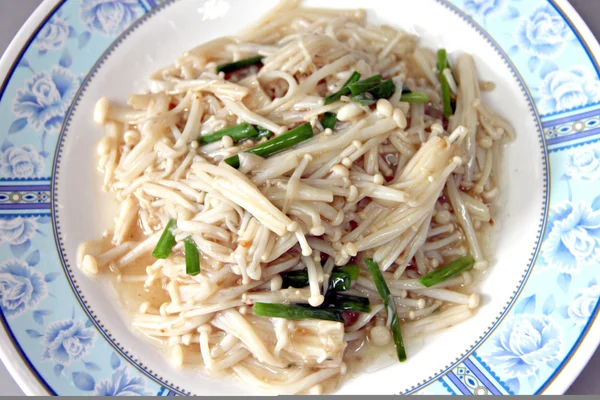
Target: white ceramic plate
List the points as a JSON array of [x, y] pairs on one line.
[[63, 336]]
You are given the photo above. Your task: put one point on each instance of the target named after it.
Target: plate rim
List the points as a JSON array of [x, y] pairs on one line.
[[11, 355], [589, 340], [25, 374]]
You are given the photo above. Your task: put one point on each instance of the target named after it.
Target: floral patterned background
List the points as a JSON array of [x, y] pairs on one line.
[[62, 343]]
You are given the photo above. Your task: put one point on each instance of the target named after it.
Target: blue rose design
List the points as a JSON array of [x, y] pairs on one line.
[[21, 287], [17, 230], [53, 35], [584, 163], [109, 17], [568, 89], [120, 384], [545, 33], [483, 8], [21, 162], [573, 237], [581, 308], [45, 98], [525, 343], [67, 341]]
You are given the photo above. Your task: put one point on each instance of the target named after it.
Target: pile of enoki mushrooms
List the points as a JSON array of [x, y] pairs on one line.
[[296, 194]]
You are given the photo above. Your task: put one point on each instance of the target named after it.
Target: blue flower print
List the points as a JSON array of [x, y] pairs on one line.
[[545, 33], [45, 98], [524, 344], [581, 308], [17, 230], [120, 384], [567, 89], [67, 341], [53, 35], [584, 163], [573, 238], [483, 8], [21, 287], [21, 162], [109, 17]]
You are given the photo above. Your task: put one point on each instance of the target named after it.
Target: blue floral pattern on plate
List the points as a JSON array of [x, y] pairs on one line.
[[584, 164], [573, 239], [18, 230], [525, 342], [21, 162], [483, 8], [109, 17], [21, 287], [53, 35], [544, 33], [67, 341], [522, 354], [45, 98]]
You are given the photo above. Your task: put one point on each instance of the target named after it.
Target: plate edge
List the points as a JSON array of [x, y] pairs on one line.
[[12, 357], [589, 340]]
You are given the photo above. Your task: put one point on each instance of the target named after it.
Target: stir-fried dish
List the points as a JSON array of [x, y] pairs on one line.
[[301, 193]]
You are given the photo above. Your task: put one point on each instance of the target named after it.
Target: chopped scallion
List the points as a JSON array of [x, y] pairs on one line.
[[351, 269], [340, 278], [295, 279], [447, 271], [344, 302], [329, 120], [366, 85], [384, 90], [442, 65], [192, 257], [237, 133], [234, 66], [166, 242], [296, 312], [332, 98], [263, 132], [339, 281], [364, 99], [275, 145], [390, 305], [415, 97]]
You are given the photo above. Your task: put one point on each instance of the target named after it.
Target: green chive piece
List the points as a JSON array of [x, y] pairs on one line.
[[263, 132], [366, 85], [166, 242], [368, 91], [415, 97], [442, 57], [339, 281], [332, 98], [384, 90], [351, 269], [237, 133], [390, 305], [297, 135], [295, 279], [296, 312], [448, 271], [344, 302], [192, 257], [364, 99], [329, 120], [234, 66]]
